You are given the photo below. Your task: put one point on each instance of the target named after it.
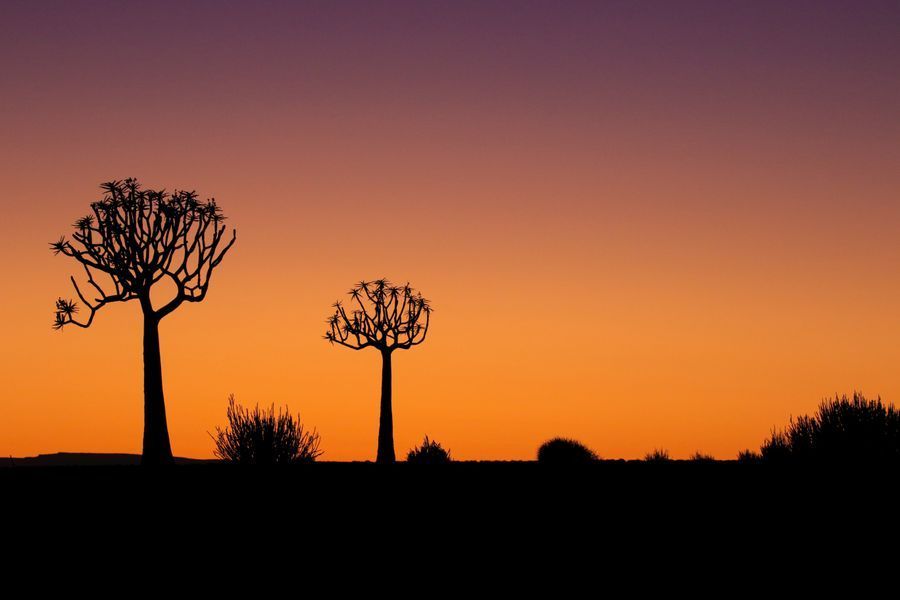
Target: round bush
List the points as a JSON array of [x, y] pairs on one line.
[[565, 451]]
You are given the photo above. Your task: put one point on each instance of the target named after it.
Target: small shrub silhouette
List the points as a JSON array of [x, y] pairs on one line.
[[842, 430], [565, 451], [264, 437], [748, 456], [700, 457], [657, 456], [429, 453], [776, 448]]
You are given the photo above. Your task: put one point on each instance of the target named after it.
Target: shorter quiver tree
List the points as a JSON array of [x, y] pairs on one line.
[[134, 239], [385, 317]]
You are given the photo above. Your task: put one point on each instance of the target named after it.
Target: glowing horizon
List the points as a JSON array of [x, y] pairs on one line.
[[641, 226]]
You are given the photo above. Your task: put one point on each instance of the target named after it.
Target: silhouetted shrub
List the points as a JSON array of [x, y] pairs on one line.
[[700, 457], [264, 437], [565, 451], [748, 456], [429, 453], [660, 455], [842, 430], [776, 448]]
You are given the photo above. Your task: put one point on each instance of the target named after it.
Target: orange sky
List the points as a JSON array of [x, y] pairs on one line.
[[638, 228]]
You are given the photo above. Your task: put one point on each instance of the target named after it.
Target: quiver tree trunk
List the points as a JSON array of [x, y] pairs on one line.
[[386, 419], [157, 449]]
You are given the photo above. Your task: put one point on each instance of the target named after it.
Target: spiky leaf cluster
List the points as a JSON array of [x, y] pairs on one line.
[[135, 237], [382, 315]]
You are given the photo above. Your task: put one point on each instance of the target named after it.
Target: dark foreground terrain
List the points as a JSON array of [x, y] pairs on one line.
[[614, 486], [468, 512]]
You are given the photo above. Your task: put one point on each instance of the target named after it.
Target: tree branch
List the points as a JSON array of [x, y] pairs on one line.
[[135, 236], [388, 318]]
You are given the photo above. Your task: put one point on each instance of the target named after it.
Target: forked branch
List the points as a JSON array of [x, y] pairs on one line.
[[136, 237], [381, 315]]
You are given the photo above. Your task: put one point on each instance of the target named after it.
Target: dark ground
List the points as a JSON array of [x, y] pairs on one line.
[[465, 512], [624, 487]]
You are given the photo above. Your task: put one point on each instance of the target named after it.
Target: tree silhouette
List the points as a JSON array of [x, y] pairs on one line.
[[386, 317], [133, 239]]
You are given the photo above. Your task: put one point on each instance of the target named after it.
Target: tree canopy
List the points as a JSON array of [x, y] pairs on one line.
[[134, 238]]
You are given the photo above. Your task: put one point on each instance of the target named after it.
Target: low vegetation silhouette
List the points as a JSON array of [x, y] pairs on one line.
[[133, 240], [843, 429], [386, 317], [264, 437], [703, 458], [561, 450], [748, 456], [660, 455], [429, 453]]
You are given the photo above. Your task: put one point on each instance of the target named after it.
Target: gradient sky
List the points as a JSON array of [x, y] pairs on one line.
[[641, 224]]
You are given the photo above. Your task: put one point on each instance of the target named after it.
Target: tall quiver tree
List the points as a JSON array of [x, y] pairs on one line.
[[133, 240], [386, 317]]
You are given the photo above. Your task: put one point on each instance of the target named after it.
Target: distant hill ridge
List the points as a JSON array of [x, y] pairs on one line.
[[85, 459]]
